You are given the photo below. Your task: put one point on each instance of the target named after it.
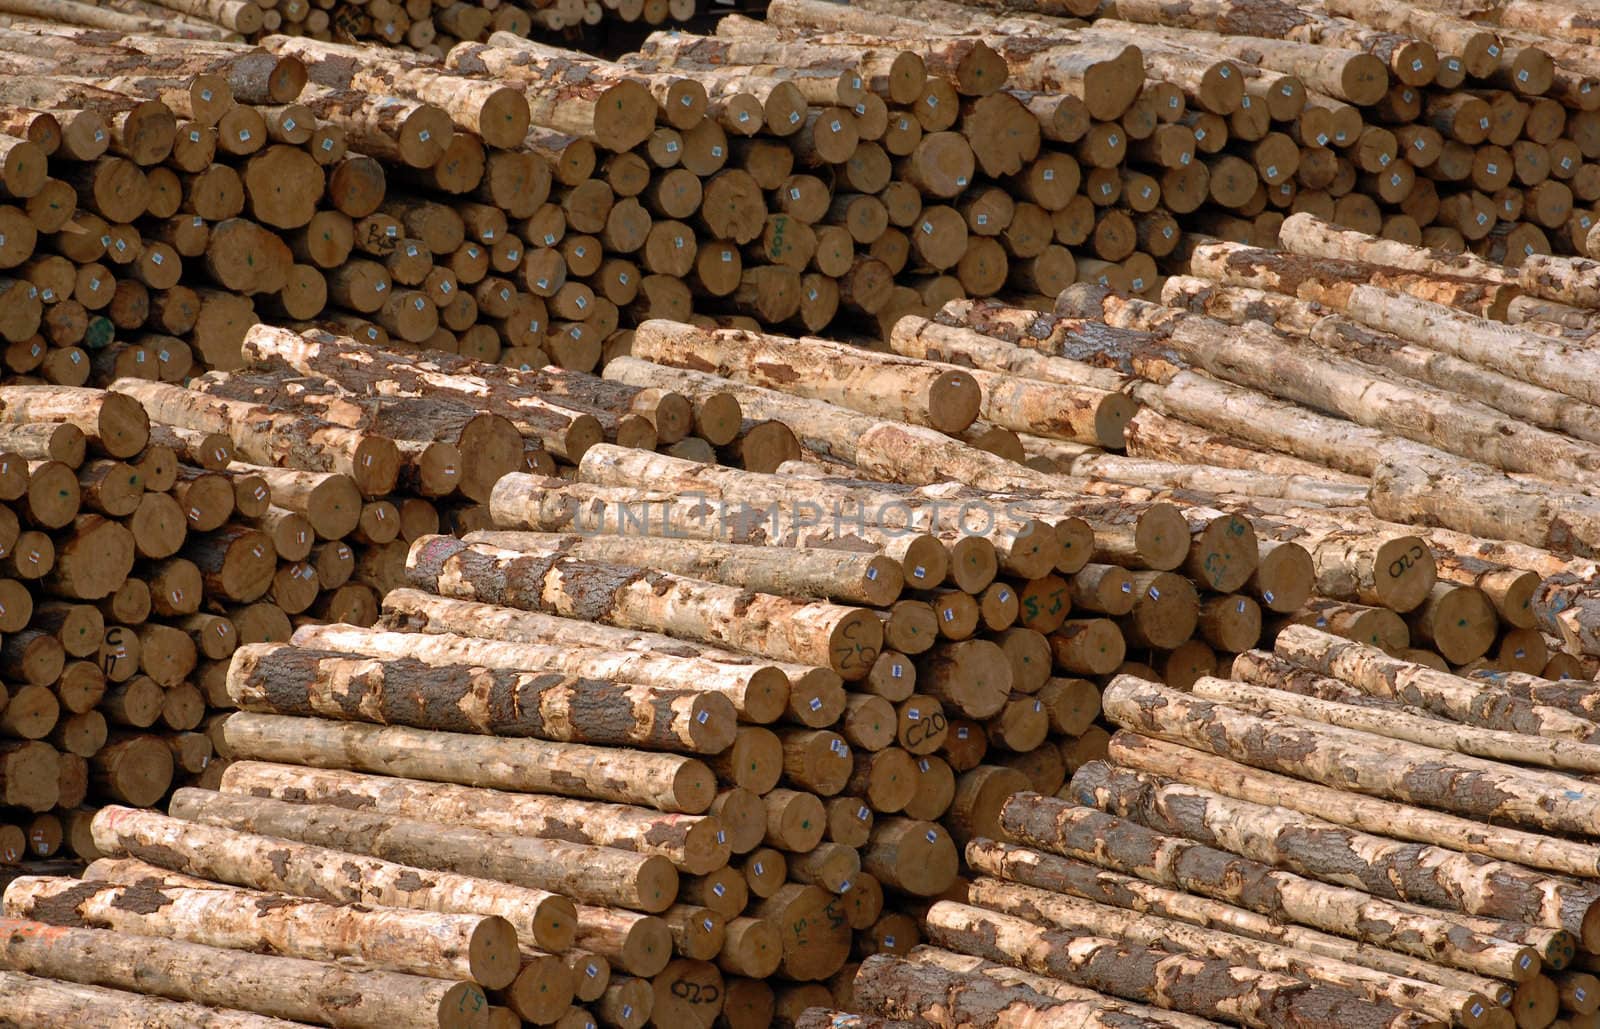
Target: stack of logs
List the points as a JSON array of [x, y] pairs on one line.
[[708, 737], [429, 27], [150, 529], [1293, 845], [513, 201]]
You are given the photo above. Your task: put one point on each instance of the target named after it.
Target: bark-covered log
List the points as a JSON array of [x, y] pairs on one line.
[[1352, 760], [1286, 839], [1063, 828], [845, 639], [456, 697]]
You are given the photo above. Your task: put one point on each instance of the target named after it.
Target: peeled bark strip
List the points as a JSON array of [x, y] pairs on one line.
[[291, 680], [666, 782], [443, 946], [1356, 761], [873, 580], [1213, 988], [689, 841], [291, 988], [415, 611], [1120, 845], [264, 863], [845, 639], [1471, 998], [34, 1000], [597, 875], [1282, 838], [1444, 694], [889, 387], [1072, 915]]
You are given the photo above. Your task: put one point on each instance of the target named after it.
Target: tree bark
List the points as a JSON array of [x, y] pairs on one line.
[[1293, 747], [666, 782], [402, 690], [1062, 828], [831, 636], [441, 946], [286, 987]]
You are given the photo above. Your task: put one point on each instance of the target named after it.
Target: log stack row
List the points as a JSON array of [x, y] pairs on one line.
[[707, 737], [1299, 842]]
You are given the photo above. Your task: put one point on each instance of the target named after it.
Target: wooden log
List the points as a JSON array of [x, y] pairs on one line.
[[1475, 999], [846, 639], [114, 427], [261, 862], [289, 987], [816, 696], [49, 1001], [1408, 872], [588, 874], [1057, 826], [441, 946], [689, 842], [279, 679], [1335, 740], [1101, 963]]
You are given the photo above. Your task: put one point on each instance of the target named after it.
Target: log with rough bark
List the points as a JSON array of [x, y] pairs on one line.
[[1063, 828], [542, 919], [278, 986], [442, 946], [845, 639], [1426, 875], [1346, 759], [401, 690]]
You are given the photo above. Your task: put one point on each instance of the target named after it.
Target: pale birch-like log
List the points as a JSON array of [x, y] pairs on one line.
[[842, 638], [667, 782], [691, 842], [46, 1001]]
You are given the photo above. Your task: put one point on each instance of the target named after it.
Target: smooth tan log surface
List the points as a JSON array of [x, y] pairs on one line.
[[45, 1001], [288, 987], [443, 946]]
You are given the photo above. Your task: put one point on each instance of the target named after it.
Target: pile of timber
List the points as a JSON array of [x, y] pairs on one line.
[[429, 27], [1302, 844], [150, 529], [709, 738]]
